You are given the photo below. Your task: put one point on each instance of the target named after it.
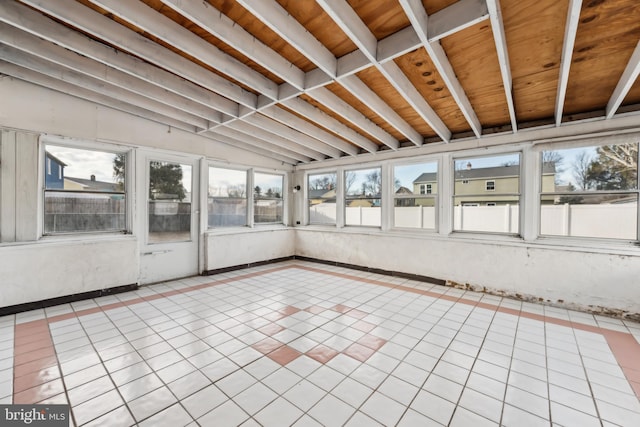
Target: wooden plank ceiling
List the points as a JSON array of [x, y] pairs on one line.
[[303, 81]]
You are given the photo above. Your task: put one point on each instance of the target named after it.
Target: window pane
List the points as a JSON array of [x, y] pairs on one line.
[[321, 192], [84, 190], [169, 202], [612, 216], [227, 202], [605, 168], [268, 204], [585, 192], [362, 202], [419, 180], [487, 194]]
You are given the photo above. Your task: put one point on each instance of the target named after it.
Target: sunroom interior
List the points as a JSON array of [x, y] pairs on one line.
[[480, 145]]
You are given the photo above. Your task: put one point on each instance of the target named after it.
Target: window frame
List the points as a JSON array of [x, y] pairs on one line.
[[499, 152], [345, 198], [284, 198], [590, 142], [435, 197], [249, 195], [307, 199], [87, 145], [493, 184]]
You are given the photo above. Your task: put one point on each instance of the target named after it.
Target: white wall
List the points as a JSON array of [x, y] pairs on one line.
[[574, 278], [232, 248], [35, 272]]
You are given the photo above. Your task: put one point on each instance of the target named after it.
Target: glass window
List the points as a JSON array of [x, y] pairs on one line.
[[227, 201], [84, 191], [363, 191], [321, 196], [477, 210], [268, 202], [415, 191], [590, 192], [169, 202]]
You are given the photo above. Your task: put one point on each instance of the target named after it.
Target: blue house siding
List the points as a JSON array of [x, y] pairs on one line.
[[53, 172]]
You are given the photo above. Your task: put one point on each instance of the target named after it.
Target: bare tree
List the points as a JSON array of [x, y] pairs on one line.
[[349, 179], [580, 169]]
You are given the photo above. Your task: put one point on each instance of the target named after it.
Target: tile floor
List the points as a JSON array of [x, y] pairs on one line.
[[306, 344]]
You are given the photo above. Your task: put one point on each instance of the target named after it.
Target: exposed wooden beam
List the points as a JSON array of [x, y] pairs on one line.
[[326, 97], [286, 118], [267, 136], [298, 138], [92, 22], [86, 94], [156, 24], [51, 69], [216, 23], [17, 38], [456, 17], [419, 20], [629, 76], [286, 26], [570, 31], [497, 28], [317, 116]]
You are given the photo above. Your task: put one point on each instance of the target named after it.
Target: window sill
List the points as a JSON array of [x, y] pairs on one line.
[[73, 238], [243, 230]]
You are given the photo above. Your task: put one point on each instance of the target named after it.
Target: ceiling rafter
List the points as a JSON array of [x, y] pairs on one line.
[[358, 32], [419, 20], [497, 27], [48, 68], [292, 135], [286, 118], [277, 18], [629, 76], [51, 52], [156, 24], [219, 25], [570, 31], [234, 136], [79, 16]]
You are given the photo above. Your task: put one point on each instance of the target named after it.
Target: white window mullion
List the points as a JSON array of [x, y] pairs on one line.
[[445, 195]]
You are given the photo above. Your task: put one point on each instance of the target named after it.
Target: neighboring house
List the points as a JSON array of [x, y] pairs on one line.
[[321, 196], [404, 191], [54, 172], [486, 186], [71, 183]]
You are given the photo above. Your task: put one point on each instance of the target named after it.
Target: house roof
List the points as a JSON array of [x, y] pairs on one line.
[[483, 173], [91, 185], [57, 160], [307, 81]]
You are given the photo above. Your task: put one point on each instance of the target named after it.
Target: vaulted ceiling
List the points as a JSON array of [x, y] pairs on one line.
[[303, 81]]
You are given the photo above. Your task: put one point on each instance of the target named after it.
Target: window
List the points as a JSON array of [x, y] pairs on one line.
[[84, 191], [227, 198], [499, 174], [363, 192], [321, 196], [268, 202], [590, 192], [415, 195]]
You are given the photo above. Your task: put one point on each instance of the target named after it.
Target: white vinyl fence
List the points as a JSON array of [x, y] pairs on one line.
[[602, 221]]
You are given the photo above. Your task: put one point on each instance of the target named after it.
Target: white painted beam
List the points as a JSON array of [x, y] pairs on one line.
[[570, 31], [259, 142], [456, 17], [629, 76], [216, 23], [317, 116], [288, 119], [497, 28], [326, 97], [80, 16], [33, 45], [265, 135], [50, 69], [158, 25], [79, 92], [261, 148], [299, 138], [33, 22], [419, 20], [276, 17], [375, 103]]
